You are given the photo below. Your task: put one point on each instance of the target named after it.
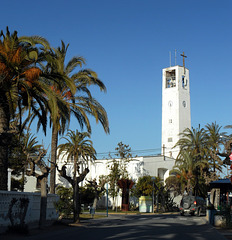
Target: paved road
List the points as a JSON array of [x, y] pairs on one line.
[[133, 227]]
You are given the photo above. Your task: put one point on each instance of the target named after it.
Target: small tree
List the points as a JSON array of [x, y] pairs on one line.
[[144, 186], [65, 203], [118, 169], [77, 147], [96, 189], [34, 154]]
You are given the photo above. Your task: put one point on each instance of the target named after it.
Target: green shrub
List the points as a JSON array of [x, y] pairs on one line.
[[65, 203]]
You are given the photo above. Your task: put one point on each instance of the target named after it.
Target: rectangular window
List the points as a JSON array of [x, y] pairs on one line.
[[170, 79], [169, 139], [170, 120], [184, 81]]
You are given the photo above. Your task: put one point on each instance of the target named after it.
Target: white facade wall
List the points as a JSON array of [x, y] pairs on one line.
[[175, 107], [137, 167], [98, 168], [30, 183], [156, 166]]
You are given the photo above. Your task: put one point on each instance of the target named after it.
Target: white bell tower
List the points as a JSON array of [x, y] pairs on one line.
[[176, 115]]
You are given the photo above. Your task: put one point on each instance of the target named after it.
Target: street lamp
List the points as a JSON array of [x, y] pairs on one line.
[[107, 199], [153, 183]]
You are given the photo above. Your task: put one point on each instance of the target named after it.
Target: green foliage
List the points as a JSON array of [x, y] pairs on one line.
[[118, 168], [65, 203], [17, 159], [198, 158], [113, 177], [77, 145], [174, 183], [87, 194], [21, 148], [123, 151], [17, 184], [144, 186]]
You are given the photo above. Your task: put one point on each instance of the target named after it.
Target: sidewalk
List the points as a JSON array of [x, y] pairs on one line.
[[227, 233]]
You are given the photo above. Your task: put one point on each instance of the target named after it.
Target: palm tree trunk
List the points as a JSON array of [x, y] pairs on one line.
[[75, 192], [4, 140], [43, 202], [78, 204], [53, 159]]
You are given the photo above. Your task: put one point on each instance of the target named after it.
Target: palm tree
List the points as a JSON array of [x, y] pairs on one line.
[[73, 89], [186, 169], [19, 86], [214, 140], [34, 154], [195, 143], [77, 147]]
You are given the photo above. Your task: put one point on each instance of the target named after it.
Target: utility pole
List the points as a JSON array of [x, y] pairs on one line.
[[164, 151]]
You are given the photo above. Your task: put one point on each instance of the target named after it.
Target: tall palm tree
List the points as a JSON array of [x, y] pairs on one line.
[[77, 147], [214, 140], [19, 86], [195, 143], [73, 88], [186, 169]]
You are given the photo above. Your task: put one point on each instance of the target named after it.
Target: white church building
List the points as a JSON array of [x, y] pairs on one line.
[[175, 118]]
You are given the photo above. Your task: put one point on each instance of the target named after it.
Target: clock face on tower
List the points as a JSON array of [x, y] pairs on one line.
[[170, 103]]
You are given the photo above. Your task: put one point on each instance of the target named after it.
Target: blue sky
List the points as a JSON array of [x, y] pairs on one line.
[[127, 42]]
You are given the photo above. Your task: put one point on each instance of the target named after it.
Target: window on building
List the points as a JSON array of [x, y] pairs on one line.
[[170, 120], [184, 81], [169, 139], [170, 79]]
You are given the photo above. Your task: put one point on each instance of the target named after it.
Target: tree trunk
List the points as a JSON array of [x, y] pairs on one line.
[[43, 202], [53, 159], [4, 140], [95, 202], [78, 205], [75, 193], [114, 203], [75, 211]]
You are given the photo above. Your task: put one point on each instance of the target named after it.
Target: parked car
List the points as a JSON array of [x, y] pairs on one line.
[[192, 205]]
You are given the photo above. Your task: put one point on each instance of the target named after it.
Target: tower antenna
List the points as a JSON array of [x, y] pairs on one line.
[[175, 57], [170, 58]]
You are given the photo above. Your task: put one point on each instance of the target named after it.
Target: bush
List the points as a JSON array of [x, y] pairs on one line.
[[144, 186], [65, 203]]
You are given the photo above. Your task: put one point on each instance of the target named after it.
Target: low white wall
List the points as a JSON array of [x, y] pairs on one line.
[[33, 211]]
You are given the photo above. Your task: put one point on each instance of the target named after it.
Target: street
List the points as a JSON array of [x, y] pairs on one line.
[[170, 226]]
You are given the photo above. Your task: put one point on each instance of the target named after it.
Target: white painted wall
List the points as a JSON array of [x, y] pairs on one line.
[[33, 212], [137, 167], [30, 183], [98, 168]]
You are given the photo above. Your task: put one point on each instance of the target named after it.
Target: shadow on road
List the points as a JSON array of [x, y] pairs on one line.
[[132, 227]]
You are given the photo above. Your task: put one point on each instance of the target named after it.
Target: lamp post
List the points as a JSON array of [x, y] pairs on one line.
[[153, 183], [107, 199]]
